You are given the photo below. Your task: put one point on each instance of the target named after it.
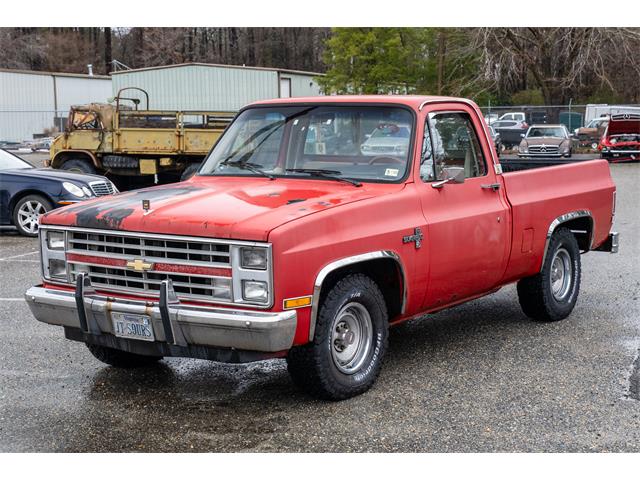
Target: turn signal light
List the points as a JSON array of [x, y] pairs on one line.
[[297, 302]]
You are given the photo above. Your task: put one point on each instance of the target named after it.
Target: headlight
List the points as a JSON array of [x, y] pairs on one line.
[[251, 280], [57, 269], [613, 141], [86, 191], [253, 258], [365, 148], [55, 240], [52, 243], [73, 189], [254, 291]]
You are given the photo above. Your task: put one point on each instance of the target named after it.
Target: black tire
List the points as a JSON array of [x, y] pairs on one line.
[[537, 294], [189, 172], [18, 211], [120, 358], [313, 367], [78, 165]]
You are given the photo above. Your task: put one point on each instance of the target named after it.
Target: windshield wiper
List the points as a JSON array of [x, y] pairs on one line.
[[319, 172], [245, 165]]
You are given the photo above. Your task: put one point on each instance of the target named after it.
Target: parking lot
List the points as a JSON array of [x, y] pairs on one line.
[[479, 377]]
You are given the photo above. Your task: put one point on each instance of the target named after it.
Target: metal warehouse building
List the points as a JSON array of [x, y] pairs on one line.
[[201, 86], [33, 103]]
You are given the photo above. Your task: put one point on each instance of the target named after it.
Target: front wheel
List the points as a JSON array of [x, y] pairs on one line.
[[27, 213], [350, 340], [78, 165], [551, 295]]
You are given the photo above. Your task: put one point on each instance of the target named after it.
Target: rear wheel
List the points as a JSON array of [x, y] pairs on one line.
[[78, 165], [551, 295], [27, 212], [120, 358], [350, 340]]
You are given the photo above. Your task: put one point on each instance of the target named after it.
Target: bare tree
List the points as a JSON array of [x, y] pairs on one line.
[[559, 60]]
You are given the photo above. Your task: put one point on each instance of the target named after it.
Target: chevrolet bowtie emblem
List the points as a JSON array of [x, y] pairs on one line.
[[416, 237], [139, 265]]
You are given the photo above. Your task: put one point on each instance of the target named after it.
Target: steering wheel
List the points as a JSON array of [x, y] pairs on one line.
[[381, 158]]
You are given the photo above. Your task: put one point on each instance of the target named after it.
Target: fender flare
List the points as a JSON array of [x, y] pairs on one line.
[[567, 217], [88, 153], [352, 260]]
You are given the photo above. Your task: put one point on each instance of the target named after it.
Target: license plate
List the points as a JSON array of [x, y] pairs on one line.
[[128, 325]]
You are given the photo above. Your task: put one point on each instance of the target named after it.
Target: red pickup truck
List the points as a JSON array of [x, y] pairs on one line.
[[313, 226]]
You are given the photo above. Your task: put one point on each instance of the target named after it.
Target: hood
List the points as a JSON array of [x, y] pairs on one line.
[[544, 140], [619, 127], [52, 174], [242, 208]]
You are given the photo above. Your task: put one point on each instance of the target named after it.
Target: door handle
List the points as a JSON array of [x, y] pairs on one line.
[[491, 186]]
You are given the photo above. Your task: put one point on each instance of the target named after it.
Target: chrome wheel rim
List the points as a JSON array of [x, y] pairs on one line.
[[351, 338], [29, 215], [561, 274]]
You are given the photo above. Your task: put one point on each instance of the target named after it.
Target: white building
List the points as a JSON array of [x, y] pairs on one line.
[[34, 103], [204, 86]]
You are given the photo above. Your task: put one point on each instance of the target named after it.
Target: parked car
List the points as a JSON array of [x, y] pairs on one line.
[[43, 143], [490, 118], [510, 131], [546, 141], [517, 116], [621, 140], [27, 193], [591, 133], [387, 138], [313, 256], [495, 136]]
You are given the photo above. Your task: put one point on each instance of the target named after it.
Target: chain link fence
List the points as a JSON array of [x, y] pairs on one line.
[[584, 122]]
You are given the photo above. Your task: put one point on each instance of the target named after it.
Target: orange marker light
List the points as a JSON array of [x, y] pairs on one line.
[[297, 302]]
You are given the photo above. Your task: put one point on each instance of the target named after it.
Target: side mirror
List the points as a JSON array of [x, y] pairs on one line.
[[451, 175], [522, 135]]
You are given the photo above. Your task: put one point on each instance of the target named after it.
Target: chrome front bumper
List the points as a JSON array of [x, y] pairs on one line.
[[173, 323]]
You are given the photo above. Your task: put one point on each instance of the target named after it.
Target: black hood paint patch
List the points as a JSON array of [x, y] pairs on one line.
[[110, 214]]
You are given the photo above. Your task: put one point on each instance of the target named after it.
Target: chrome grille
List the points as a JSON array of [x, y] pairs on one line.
[[179, 252], [543, 149], [101, 188], [173, 252]]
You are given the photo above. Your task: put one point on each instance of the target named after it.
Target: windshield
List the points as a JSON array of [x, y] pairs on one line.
[[367, 143], [10, 161], [596, 122], [557, 132]]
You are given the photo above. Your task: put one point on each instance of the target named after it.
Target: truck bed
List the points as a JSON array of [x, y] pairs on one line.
[[518, 164], [540, 195]]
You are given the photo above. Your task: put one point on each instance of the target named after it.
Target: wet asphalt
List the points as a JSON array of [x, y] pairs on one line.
[[479, 377]]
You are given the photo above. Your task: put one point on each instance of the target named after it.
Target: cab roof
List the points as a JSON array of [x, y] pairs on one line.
[[413, 101]]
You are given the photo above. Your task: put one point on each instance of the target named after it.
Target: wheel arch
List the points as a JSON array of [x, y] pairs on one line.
[[380, 266], [581, 224], [65, 155], [25, 193]]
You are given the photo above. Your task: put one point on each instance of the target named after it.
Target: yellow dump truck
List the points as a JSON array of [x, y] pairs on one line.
[[136, 147]]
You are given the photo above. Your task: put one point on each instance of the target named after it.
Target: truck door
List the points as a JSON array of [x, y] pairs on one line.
[[468, 224]]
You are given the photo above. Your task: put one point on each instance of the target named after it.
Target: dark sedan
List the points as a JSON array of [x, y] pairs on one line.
[[27, 192]]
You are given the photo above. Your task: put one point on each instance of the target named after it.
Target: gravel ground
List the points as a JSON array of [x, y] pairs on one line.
[[479, 377]]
